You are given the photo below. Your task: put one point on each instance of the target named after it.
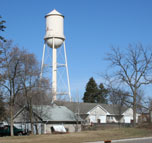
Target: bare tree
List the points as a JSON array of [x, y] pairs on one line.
[[30, 75], [2, 27], [10, 75], [19, 79], [2, 107], [132, 69], [77, 114], [34, 90], [119, 97]]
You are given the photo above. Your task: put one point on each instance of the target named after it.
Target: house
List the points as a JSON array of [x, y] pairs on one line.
[[99, 113], [47, 117], [144, 118]]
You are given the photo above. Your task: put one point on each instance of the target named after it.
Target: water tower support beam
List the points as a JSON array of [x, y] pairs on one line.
[[42, 64], [66, 65], [54, 71]]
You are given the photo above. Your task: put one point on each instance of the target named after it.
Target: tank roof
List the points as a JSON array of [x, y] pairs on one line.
[[54, 12]]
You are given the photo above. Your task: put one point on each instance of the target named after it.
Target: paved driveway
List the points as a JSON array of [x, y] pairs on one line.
[[135, 140]]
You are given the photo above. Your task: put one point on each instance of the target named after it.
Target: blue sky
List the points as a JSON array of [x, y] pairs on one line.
[[91, 27]]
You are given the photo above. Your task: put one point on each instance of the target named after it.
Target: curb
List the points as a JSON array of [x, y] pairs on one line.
[[122, 140]]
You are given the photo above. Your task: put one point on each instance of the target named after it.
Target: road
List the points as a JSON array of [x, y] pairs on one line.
[[135, 140]]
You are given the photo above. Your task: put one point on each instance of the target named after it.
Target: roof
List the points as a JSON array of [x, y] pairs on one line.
[[114, 109], [84, 108], [76, 107], [54, 12], [55, 113]]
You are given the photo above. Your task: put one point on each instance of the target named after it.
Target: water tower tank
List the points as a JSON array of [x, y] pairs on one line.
[[54, 29]]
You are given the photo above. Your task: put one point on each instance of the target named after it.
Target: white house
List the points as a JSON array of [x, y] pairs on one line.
[[100, 113], [97, 115], [128, 116], [71, 114]]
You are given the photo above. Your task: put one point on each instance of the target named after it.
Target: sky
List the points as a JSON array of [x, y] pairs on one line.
[[91, 27]]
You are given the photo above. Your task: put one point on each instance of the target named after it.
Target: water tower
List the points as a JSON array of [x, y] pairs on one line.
[[54, 39]]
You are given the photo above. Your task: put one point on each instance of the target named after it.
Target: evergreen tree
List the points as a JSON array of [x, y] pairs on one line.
[[95, 93], [91, 91]]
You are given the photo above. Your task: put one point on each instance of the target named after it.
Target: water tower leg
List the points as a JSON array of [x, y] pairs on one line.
[[54, 71], [66, 65], [42, 64]]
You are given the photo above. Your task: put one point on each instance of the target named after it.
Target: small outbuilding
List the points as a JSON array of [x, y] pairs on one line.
[[49, 117]]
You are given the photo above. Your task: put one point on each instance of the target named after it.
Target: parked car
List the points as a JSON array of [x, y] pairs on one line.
[[5, 131]]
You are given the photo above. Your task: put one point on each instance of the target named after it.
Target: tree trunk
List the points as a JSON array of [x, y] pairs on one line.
[[150, 116], [134, 109], [11, 120], [31, 119], [36, 128]]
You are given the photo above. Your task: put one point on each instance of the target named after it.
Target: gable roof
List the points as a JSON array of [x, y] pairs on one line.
[[84, 108], [114, 109], [76, 107], [55, 113]]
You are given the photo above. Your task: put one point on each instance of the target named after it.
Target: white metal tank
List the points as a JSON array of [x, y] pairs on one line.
[[54, 29]]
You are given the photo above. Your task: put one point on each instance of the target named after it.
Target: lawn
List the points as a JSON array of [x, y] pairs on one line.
[[80, 137]]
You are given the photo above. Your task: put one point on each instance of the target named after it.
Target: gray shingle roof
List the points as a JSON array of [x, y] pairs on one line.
[[55, 113], [114, 109], [83, 108], [77, 107]]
